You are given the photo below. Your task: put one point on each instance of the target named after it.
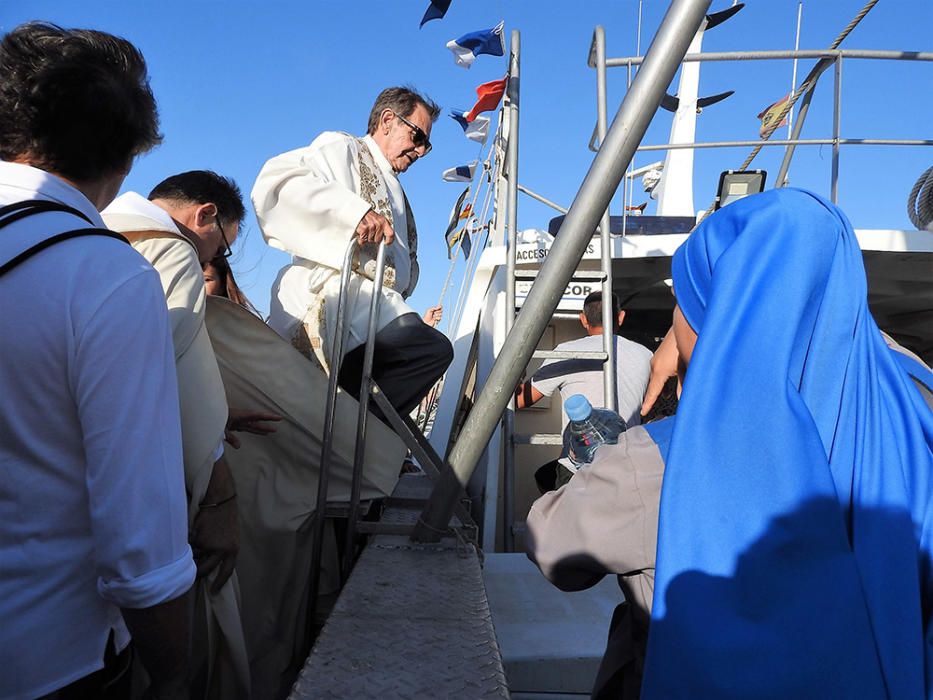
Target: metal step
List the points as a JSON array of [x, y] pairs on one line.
[[539, 439], [570, 355], [578, 275]]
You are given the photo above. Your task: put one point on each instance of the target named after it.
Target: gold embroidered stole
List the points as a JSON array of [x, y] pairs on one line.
[[373, 190], [310, 334]]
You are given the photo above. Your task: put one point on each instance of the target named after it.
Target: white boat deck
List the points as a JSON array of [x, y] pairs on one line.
[[551, 641]]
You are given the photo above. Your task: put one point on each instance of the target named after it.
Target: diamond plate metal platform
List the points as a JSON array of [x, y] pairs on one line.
[[412, 622]]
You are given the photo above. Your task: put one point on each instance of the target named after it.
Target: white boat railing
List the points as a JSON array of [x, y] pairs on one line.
[[826, 58]]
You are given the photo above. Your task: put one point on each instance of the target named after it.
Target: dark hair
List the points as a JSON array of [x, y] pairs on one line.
[[75, 101], [231, 289], [404, 100], [204, 187], [593, 309]]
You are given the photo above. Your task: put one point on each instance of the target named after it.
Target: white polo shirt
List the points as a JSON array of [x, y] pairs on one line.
[[93, 512]]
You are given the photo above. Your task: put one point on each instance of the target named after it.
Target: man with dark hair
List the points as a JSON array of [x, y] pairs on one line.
[[191, 194], [190, 219], [580, 376], [311, 202], [633, 366], [92, 501]]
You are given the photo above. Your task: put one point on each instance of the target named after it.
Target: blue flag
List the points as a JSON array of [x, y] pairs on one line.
[[469, 46], [436, 10]]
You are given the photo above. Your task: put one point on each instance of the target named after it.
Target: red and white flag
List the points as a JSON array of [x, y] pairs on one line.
[[490, 94]]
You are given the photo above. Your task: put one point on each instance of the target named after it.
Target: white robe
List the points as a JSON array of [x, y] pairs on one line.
[[203, 405], [277, 481], [308, 204]]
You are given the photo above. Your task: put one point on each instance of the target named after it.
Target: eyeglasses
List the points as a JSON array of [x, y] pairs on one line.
[[227, 252], [418, 137]]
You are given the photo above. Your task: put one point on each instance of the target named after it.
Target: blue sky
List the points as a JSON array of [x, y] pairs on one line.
[[238, 82]]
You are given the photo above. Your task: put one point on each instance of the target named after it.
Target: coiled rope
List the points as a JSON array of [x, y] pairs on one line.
[[920, 201]]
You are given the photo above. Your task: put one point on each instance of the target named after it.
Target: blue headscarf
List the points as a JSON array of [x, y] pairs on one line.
[[795, 535]]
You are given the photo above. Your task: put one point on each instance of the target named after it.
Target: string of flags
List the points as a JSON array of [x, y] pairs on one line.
[[465, 50]]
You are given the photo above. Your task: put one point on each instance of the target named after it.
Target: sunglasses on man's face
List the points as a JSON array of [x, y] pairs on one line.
[[418, 137], [227, 251]]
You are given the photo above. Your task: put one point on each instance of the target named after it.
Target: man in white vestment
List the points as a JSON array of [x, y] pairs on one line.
[[189, 219], [311, 202]]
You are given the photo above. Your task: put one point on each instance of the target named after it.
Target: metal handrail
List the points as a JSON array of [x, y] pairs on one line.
[[336, 358], [826, 58], [869, 54], [359, 451], [369, 392], [508, 415], [787, 142], [610, 386]]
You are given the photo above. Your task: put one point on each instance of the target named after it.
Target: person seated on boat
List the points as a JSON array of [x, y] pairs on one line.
[[795, 530], [310, 202], [582, 376], [220, 282], [93, 531], [188, 219]]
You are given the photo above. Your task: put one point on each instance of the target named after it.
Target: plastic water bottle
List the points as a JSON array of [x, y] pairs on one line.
[[589, 428]]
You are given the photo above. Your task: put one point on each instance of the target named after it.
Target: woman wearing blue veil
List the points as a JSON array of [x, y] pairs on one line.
[[794, 532], [794, 543]]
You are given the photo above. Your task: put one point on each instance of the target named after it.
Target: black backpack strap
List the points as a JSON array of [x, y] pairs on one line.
[[39, 247], [20, 210]]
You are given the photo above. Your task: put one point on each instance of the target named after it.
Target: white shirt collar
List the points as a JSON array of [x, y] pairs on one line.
[[21, 182], [384, 165], [133, 212]]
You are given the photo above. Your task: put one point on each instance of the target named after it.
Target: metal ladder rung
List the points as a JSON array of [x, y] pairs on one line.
[[570, 355], [539, 439], [341, 509], [578, 275]]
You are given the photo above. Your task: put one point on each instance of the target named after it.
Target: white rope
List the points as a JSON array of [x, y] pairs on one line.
[[920, 201]]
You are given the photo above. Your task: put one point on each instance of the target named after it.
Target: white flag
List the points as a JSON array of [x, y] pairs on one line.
[[462, 173], [476, 130]]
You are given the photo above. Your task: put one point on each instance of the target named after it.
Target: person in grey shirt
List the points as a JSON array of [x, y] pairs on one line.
[[579, 376], [585, 376]]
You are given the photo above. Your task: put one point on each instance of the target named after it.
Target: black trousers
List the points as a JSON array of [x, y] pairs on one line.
[[409, 357]]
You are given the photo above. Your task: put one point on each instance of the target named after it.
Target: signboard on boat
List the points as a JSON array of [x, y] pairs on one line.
[[570, 302]]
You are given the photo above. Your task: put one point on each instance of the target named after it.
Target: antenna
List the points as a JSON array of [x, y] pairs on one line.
[[793, 79]]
